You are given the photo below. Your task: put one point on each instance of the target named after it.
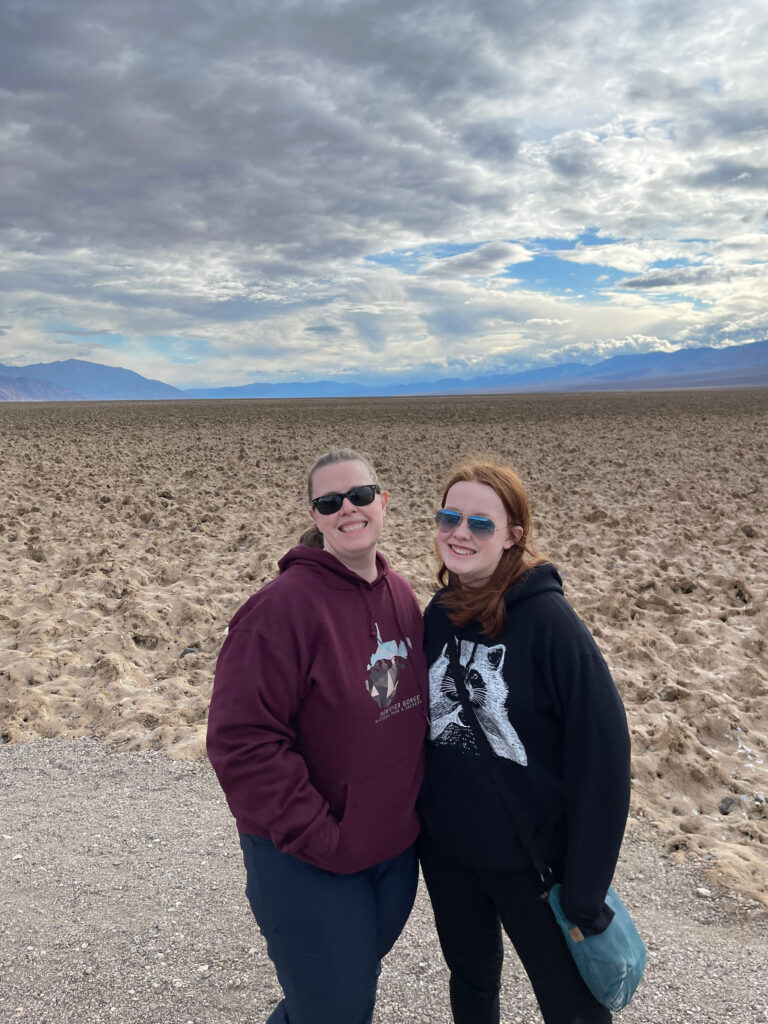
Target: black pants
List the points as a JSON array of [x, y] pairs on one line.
[[470, 907]]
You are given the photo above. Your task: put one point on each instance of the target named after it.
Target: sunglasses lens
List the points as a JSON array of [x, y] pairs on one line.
[[481, 526], [446, 519], [328, 504], [360, 496]]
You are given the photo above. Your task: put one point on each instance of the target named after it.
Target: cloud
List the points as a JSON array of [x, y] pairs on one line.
[[485, 261], [672, 278], [84, 332], [737, 175], [202, 189], [323, 329]]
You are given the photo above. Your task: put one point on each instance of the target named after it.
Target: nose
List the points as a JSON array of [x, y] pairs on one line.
[[347, 506], [462, 530]]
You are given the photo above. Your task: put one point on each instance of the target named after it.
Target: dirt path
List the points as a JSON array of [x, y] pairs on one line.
[[121, 900]]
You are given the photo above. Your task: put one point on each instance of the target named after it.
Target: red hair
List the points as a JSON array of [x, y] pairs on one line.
[[485, 604]]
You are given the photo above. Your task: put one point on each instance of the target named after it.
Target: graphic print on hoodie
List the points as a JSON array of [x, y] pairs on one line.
[[384, 668], [488, 694]]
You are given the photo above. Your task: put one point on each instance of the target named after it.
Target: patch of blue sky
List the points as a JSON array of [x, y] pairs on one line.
[[548, 273], [410, 261], [714, 85], [589, 237]]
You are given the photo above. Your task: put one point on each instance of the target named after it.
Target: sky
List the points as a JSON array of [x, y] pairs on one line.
[[379, 190]]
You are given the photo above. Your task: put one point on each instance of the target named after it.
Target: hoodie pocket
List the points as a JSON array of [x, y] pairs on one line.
[[379, 819]]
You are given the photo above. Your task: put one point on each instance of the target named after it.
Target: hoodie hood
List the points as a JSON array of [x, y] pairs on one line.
[[336, 576], [321, 561], [538, 580]]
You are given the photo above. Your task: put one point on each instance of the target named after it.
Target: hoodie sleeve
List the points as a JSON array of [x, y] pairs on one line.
[[251, 742], [596, 757]]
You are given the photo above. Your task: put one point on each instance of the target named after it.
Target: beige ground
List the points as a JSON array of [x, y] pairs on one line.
[[131, 532]]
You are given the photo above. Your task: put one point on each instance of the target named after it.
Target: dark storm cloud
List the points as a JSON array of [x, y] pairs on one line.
[[185, 167], [154, 126], [496, 141]]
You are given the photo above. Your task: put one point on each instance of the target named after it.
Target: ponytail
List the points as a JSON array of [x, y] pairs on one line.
[[311, 538]]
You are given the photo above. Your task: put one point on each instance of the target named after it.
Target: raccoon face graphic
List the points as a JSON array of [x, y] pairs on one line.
[[488, 693]]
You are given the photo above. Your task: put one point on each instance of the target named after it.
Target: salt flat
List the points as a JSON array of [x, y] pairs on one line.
[[131, 532]]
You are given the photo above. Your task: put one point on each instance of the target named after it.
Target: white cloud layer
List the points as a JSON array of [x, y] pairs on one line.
[[218, 194]]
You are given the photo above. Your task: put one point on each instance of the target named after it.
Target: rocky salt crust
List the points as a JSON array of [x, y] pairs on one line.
[[131, 532]]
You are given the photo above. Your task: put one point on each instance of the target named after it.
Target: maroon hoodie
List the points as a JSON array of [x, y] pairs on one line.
[[319, 713]]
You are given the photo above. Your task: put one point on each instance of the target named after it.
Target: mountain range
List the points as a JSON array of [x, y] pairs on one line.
[[79, 380]]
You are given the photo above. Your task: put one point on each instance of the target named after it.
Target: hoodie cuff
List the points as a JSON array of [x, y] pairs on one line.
[[590, 923]]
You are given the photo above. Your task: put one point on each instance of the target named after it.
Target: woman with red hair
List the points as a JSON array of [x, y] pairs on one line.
[[506, 649]]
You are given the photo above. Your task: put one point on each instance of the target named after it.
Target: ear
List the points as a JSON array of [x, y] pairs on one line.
[[514, 535], [384, 499], [495, 656]]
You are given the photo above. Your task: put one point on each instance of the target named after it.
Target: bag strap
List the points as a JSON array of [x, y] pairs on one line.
[[512, 803]]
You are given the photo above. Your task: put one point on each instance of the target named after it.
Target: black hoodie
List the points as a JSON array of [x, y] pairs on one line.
[[546, 701]]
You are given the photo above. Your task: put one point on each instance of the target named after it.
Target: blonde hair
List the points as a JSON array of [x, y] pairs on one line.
[[312, 538]]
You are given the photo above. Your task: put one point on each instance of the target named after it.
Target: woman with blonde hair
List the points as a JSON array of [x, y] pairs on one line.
[[316, 733], [520, 697]]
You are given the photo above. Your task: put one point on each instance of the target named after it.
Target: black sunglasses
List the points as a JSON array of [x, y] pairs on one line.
[[327, 504], [449, 519]]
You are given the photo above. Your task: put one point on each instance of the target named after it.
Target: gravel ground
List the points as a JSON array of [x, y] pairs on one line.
[[121, 900]]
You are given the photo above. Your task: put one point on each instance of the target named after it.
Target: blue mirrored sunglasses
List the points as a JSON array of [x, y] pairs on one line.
[[449, 519]]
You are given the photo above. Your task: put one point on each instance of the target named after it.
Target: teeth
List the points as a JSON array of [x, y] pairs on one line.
[[461, 551], [350, 527]]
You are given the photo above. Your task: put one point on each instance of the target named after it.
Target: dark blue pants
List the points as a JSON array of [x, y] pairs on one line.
[[326, 934], [471, 907]]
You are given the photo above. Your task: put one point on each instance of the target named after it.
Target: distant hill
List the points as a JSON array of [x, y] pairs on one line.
[[26, 389], [78, 380], [736, 366]]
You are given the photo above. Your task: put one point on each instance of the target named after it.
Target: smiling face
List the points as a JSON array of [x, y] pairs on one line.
[[351, 534], [470, 557]]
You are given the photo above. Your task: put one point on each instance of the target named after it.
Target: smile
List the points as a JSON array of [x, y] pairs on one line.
[[461, 551], [352, 527]]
